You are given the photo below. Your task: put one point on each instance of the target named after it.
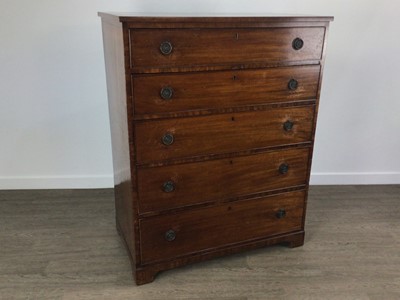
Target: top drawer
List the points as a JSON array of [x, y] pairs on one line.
[[182, 47]]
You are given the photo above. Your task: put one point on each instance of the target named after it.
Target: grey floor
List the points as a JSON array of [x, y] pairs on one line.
[[63, 244]]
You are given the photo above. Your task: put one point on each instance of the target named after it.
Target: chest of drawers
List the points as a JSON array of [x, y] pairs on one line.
[[212, 127]]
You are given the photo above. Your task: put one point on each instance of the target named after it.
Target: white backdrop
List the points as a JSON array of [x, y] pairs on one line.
[[54, 128]]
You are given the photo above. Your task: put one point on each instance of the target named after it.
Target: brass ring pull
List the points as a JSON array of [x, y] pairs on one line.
[[166, 48]]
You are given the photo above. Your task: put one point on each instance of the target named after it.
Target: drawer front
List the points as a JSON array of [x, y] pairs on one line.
[[225, 133], [173, 186], [191, 47], [178, 92], [168, 236]]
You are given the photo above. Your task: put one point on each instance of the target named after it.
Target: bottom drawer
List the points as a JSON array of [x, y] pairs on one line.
[[174, 235]]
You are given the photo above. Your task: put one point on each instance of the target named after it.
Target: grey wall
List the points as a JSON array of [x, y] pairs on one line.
[[54, 126]]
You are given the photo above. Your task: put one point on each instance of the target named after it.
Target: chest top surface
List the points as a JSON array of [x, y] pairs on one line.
[[218, 19]]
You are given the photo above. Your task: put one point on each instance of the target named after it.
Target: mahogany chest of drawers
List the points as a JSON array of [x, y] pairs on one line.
[[212, 126]]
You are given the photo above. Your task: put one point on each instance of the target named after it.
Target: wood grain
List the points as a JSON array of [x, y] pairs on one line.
[[120, 109], [210, 90], [207, 228], [194, 183], [210, 46], [222, 133]]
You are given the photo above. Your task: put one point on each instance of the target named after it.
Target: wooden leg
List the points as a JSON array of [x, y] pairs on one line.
[[294, 244], [297, 241], [144, 276]]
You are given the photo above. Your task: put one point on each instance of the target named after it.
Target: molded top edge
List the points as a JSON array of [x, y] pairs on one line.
[[216, 17]]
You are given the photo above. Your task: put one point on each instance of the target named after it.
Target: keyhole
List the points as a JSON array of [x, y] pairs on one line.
[[233, 118], [234, 77]]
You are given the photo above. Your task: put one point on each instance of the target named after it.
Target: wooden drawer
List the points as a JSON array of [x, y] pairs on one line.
[[168, 236], [173, 186], [194, 47], [205, 90], [224, 133]]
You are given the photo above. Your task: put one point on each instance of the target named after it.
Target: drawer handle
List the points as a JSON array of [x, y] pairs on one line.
[[167, 139], [170, 235], [281, 214], [166, 93], [166, 48], [293, 84], [288, 125], [297, 43], [283, 168], [168, 186]]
